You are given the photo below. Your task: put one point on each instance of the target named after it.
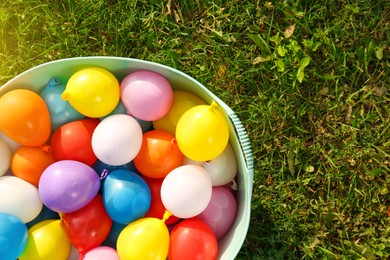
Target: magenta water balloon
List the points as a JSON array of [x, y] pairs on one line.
[[220, 212], [66, 186]]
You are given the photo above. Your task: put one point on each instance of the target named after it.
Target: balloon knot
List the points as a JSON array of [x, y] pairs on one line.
[[166, 216], [234, 185], [81, 255], [172, 143], [61, 216], [46, 148], [213, 105], [104, 174], [206, 163], [54, 81], [65, 96]]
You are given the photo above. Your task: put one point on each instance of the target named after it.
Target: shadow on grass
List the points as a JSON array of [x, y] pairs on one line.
[[264, 239]]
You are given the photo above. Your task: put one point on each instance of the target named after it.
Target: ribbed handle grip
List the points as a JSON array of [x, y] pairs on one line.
[[244, 141]]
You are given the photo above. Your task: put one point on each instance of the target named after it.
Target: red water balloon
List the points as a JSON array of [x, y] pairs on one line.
[[89, 226], [157, 208], [192, 239], [72, 141]]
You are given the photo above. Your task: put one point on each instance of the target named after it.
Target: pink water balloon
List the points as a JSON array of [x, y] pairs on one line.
[[102, 253], [220, 212], [146, 95]]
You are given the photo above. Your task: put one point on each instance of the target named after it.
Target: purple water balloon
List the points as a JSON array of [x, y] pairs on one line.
[[66, 186]]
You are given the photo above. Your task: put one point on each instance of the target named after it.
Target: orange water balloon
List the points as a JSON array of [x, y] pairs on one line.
[[28, 163], [24, 117], [159, 154]]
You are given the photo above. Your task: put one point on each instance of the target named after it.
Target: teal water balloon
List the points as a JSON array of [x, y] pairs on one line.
[[13, 236], [61, 112], [145, 125], [119, 109], [112, 237], [45, 214]]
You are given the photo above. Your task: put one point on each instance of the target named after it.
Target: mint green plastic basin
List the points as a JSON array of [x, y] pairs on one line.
[[36, 78]]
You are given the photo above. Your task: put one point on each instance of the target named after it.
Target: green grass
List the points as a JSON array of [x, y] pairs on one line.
[[315, 102]]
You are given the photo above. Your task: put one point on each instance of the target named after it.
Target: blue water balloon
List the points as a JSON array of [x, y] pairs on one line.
[[61, 112], [126, 196], [13, 236], [103, 170]]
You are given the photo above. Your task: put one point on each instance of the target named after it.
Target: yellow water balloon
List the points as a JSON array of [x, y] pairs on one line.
[[46, 240], [182, 101], [93, 92], [146, 238], [202, 132]]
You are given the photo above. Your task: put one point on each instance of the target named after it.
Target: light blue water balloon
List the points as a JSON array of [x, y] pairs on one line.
[[61, 112]]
